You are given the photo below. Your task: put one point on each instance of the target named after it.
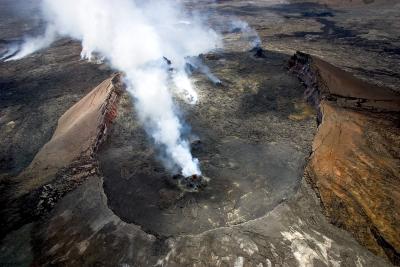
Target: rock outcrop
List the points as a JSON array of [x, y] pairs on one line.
[[68, 158], [354, 166], [79, 132]]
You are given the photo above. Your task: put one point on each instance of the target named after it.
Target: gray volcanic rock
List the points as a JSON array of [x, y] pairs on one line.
[[88, 226], [256, 131]]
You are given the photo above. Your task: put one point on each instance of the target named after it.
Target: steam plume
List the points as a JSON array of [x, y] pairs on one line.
[[134, 36], [33, 44], [196, 63], [248, 32]]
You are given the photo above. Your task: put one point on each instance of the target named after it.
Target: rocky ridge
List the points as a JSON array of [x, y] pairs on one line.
[[67, 160], [355, 158]]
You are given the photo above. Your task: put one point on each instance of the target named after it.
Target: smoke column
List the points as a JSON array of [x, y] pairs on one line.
[[249, 33], [33, 44], [134, 36], [196, 63]]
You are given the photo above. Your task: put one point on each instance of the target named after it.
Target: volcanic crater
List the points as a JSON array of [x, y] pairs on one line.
[[248, 178], [302, 156]]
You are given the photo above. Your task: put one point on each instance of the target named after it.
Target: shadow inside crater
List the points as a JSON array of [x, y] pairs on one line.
[[248, 179]]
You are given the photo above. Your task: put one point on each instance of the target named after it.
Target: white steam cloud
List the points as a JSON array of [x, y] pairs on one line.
[[248, 32], [195, 63], [31, 45], [134, 36]]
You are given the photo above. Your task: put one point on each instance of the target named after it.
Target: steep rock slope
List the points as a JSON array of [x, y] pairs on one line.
[[355, 162], [78, 134], [66, 160]]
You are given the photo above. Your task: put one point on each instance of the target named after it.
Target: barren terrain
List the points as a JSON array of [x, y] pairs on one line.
[[302, 151]]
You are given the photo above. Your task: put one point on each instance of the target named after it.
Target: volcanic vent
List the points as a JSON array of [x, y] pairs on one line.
[[247, 178]]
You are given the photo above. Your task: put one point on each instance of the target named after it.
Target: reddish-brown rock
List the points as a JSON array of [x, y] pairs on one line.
[[79, 132], [355, 163]]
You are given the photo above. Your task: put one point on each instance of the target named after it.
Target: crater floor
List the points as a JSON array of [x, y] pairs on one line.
[[255, 133], [249, 177]]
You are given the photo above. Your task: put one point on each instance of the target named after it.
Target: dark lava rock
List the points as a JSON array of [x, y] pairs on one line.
[[258, 52], [196, 145], [192, 183], [168, 197], [169, 62]]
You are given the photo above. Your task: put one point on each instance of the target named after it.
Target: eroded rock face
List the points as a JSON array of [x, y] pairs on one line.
[[355, 162], [79, 132], [354, 167], [68, 158]]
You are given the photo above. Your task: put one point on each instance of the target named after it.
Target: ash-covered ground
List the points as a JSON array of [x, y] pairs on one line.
[[247, 138], [252, 134]]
